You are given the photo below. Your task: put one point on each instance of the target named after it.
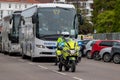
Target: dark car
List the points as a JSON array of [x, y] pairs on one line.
[[99, 45], [82, 44], [115, 53]]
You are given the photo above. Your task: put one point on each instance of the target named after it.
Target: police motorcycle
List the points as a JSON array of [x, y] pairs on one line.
[[70, 56]]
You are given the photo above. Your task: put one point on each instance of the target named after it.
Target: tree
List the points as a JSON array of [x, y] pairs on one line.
[[103, 15], [104, 22], [86, 27], [117, 17]]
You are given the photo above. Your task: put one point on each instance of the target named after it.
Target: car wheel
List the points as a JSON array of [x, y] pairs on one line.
[[88, 55], [116, 59], [96, 56], [107, 57]]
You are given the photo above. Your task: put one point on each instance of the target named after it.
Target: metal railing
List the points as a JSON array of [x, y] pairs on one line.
[[107, 36]]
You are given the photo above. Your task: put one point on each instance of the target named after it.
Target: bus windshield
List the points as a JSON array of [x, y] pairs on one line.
[[15, 29], [55, 21]]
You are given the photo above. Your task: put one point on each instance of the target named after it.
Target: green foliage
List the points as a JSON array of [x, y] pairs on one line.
[[117, 17], [86, 27], [106, 15], [104, 22]]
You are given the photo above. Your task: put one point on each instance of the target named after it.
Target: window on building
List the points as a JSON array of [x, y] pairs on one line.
[[16, 6], [86, 11], [10, 12], [25, 6], [84, 4], [91, 6], [19, 6], [1, 13], [9, 5]]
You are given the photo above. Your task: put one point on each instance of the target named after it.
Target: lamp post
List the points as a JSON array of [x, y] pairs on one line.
[[77, 6]]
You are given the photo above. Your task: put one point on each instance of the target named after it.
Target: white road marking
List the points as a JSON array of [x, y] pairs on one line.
[[59, 72], [31, 63], [14, 57], [42, 67], [77, 78], [21, 60]]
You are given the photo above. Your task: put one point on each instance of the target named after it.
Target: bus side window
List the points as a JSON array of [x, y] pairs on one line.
[[23, 21]]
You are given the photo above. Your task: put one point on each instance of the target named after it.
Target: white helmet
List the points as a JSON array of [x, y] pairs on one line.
[[65, 34]]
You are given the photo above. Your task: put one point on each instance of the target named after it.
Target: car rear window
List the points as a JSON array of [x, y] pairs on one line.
[[106, 43], [116, 44]]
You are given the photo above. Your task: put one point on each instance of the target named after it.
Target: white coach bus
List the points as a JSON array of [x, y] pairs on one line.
[[10, 33], [42, 25]]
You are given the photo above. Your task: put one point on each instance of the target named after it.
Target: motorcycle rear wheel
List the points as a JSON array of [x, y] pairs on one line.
[[60, 66], [66, 68]]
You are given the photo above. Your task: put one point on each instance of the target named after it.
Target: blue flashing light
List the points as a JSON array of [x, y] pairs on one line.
[[79, 43]]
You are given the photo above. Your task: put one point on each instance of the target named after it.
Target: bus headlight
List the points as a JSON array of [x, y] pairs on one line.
[[40, 46]]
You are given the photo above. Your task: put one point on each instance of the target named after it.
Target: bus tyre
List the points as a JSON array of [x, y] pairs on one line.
[[10, 54], [23, 56], [5, 53], [32, 59]]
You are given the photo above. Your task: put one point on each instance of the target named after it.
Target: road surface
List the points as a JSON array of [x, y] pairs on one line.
[[15, 68]]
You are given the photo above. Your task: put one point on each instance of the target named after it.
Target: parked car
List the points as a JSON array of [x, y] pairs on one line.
[[115, 53], [105, 54], [88, 48], [82, 44], [98, 45]]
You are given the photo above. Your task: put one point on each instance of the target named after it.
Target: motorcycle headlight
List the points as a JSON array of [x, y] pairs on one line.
[[40, 46], [72, 52]]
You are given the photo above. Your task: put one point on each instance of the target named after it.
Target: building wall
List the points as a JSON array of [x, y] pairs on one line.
[[7, 8], [86, 7], [45, 1]]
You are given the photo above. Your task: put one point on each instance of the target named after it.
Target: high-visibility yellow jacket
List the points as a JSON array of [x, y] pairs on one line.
[[59, 45], [70, 45]]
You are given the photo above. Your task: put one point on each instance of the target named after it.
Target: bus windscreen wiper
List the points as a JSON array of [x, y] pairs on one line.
[[62, 8]]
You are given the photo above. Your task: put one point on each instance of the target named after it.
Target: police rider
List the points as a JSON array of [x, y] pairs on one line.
[[60, 44]]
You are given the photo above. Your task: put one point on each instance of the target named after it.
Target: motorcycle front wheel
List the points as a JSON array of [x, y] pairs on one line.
[[73, 66]]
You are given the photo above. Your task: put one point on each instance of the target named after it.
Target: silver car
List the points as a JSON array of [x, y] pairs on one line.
[[105, 54], [88, 48]]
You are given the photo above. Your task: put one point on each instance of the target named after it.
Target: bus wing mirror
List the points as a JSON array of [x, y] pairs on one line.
[[22, 20], [10, 21], [80, 19], [76, 36], [34, 20]]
